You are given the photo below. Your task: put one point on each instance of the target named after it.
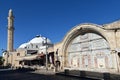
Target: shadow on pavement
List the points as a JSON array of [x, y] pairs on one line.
[[25, 74]]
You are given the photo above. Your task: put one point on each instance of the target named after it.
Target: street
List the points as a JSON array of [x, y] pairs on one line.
[[21, 75]]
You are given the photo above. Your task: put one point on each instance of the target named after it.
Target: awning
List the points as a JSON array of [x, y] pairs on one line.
[[30, 57], [19, 59]]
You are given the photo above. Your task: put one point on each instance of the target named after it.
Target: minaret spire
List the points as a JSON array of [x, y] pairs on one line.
[[10, 31]]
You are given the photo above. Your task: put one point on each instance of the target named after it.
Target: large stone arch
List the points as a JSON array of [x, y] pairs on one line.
[[82, 29]]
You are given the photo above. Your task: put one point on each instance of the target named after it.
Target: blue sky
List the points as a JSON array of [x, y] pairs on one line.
[[53, 18]]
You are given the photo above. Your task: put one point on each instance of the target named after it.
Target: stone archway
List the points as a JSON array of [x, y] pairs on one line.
[[81, 30]]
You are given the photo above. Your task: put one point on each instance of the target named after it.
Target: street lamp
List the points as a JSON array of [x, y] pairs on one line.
[[46, 53], [44, 43]]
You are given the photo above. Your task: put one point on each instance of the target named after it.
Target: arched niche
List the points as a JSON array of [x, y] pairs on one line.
[[89, 50], [81, 31]]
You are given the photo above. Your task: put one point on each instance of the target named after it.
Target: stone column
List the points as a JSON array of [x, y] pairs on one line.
[[114, 60]]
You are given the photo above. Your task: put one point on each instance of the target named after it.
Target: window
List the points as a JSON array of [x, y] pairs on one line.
[[18, 54], [31, 45], [8, 56], [36, 46]]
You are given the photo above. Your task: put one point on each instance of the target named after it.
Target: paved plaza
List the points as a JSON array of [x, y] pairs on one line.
[[21, 75]]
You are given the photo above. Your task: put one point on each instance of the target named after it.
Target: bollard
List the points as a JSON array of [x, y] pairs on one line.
[[82, 74], [66, 71], [106, 76]]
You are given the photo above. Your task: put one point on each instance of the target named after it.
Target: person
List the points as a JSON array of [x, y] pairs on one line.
[[57, 65]]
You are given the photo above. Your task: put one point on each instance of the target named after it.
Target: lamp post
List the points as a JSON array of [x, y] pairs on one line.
[[46, 53], [46, 44]]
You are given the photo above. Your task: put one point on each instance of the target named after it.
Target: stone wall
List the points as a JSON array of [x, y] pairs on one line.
[[110, 32]]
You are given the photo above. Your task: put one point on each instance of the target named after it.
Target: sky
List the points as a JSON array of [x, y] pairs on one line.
[[53, 18]]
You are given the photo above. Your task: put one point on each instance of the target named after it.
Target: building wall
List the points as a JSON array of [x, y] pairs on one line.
[[17, 57], [13, 58], [89, 51], [109, 32]]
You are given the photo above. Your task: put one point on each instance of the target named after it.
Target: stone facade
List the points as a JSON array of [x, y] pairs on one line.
[[103, 47]]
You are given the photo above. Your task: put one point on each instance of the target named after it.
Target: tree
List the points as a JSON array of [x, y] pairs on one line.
[[1, 60]]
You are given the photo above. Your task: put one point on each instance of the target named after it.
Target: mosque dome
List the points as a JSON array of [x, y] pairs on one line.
[[39, 40], [23, 45]]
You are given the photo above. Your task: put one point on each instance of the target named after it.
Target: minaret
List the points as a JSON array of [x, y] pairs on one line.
[[10, 31]]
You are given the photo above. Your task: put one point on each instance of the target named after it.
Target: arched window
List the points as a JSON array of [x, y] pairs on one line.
[[36, 46], [18, 54]]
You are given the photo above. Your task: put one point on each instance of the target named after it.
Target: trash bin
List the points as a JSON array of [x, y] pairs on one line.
[[106, 76], [82, 73], [66, 71]]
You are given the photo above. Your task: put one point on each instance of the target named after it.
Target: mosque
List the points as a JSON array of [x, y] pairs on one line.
[[34, 53], [87, 46]]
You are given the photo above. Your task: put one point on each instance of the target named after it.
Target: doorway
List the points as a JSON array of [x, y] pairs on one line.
[[119, 61]]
